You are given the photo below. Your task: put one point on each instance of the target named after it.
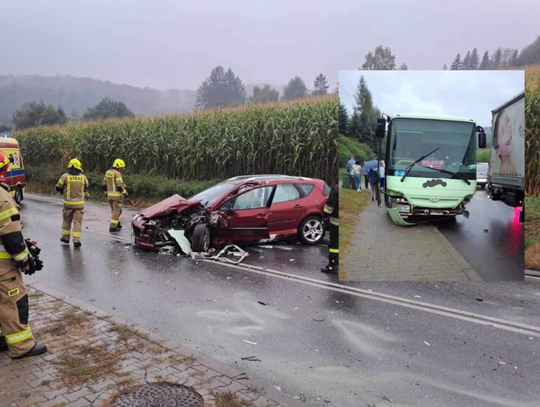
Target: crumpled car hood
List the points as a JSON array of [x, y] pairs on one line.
[[174, 203]]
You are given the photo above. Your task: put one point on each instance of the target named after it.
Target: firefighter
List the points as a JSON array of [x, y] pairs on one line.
[[331, 211], [74, 186], [116, 192], [15, 257]]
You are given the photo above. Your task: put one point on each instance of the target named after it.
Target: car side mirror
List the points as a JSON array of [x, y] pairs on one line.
[[380, 128], [482, 140]]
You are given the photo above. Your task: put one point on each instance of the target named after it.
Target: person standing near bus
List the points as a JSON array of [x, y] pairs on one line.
[[372, 178], [350, 164], [382, 174], [357, 173]]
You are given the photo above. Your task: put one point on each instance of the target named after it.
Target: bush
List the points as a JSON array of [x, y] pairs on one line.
[[347, 146], [145, 187], [482, 156]]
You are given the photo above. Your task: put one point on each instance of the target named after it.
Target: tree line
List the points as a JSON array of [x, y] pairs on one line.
[[221, 89], [36, 114], [225, 89], [361, 123], [500, 58]]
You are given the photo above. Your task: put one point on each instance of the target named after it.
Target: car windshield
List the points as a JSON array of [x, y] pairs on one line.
[[453, 141], [211, 195]]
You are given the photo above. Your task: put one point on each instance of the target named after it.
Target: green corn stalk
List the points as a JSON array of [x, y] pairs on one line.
[[293, 138]]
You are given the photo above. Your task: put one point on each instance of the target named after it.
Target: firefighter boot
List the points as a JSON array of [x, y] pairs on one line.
[[332, 266], [38, 349]]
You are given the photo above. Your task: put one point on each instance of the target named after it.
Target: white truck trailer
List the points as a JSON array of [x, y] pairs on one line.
[[506, 180]]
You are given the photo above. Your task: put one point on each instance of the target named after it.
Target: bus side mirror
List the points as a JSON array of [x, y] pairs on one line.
[[380, 128], [482, 140]]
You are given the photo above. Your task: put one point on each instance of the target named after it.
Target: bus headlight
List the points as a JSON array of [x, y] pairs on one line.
[[402, 207]]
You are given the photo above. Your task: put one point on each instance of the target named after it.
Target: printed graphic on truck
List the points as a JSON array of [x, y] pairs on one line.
[[508, 144]]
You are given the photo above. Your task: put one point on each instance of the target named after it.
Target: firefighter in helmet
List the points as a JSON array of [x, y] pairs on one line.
[[74, 186], [15, 257], [116, 192], [331, 209]]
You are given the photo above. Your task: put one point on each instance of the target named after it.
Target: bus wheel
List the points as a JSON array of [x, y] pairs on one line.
[[18, 195]]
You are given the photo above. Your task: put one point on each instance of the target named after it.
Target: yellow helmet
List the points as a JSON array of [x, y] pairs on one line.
[[119, 163], [75, 163]]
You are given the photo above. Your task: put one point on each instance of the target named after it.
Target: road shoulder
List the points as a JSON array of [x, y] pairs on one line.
[[94, 356]]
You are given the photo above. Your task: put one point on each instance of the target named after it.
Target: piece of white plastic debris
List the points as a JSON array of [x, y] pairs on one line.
[[417, 296], [251, 343], [181, 239], [427, 343]]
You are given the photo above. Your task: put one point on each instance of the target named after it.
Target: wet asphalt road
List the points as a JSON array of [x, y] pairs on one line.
[[333, 348], [496, 255]]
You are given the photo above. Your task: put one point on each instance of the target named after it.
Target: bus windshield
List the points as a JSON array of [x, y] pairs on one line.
[[454, 142]]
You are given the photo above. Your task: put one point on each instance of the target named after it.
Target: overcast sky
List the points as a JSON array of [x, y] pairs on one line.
[[470, 94], [175, 43]]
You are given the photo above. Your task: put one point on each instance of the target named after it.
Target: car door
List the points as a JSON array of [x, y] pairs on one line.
[[246, 215], [287, 210]]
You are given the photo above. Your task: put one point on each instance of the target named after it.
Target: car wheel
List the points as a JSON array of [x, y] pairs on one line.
[[311, 230], [18, 195], [200, 241]]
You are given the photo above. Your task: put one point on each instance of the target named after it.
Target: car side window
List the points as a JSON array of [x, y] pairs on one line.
[[254, 199], [285, 193], [306, 188]]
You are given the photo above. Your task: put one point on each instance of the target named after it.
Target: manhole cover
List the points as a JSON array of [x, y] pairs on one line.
[[160, 395]]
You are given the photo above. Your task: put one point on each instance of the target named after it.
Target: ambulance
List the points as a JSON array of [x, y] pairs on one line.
[[15, 177]]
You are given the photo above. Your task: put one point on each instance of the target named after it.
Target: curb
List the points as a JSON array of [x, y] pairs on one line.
[[271, 393], [465, 267]]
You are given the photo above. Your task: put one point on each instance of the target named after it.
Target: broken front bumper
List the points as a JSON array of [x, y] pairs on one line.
[[421, 215]]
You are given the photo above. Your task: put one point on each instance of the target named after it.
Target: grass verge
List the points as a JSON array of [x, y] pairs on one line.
[[230, 400], [351, 203], [144, 189]]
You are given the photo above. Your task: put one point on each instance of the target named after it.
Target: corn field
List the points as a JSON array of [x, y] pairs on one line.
[[532, 135], [296, 138]]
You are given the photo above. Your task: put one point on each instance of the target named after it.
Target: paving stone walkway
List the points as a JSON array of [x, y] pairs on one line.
[[384, 251], [93, 357]]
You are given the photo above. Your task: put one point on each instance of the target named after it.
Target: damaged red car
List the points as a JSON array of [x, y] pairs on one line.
[[244, 209]]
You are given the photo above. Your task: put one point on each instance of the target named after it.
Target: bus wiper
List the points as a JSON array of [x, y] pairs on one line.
[[449, 172], [409, 168]]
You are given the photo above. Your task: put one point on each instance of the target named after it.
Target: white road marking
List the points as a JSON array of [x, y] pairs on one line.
[[507, 325], [404, 302]]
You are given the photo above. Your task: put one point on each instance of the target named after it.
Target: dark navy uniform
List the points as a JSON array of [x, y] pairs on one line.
[[331, 210]]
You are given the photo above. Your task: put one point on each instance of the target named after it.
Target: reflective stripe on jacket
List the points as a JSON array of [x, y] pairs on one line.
[[12, 245], [331, 208], [115, 185], [73, 187]]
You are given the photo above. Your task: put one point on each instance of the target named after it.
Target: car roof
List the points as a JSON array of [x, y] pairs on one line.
[[271, 178]]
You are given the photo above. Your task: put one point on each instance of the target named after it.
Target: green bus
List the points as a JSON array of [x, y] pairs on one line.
[[430, 166]]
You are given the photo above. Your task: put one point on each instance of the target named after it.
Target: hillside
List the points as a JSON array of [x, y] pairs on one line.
[[75, 95]]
